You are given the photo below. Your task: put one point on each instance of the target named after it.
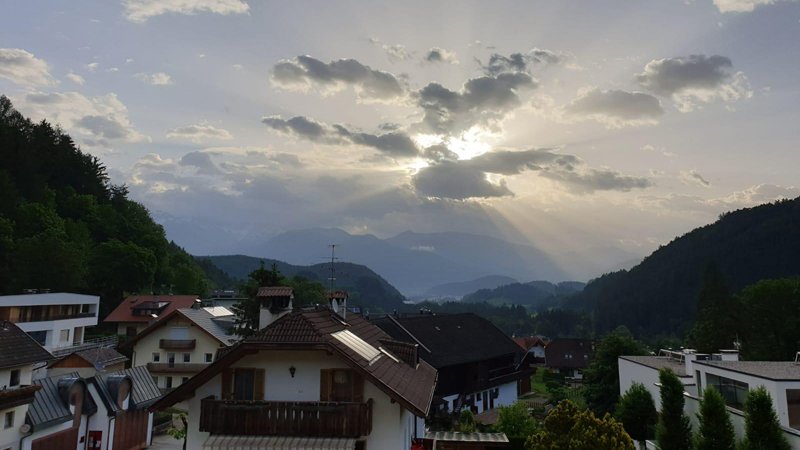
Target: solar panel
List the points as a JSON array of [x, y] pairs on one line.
[[357, 344]]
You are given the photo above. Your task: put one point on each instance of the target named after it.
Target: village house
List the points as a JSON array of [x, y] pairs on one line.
[[725, 372], [19, 354], [569, 357], [181, 344], [55, 320], [478, 364], [309, 378], [534, 349], [88, 362], [137, 312]]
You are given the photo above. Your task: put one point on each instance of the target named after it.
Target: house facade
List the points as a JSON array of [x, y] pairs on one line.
[[19, 354], [569, 357], [54, 320], [181, 344], [312, 378], [137, 312], [723, 371], [479, 366]]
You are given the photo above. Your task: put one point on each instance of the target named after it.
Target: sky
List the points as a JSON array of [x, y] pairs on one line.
[[596, 130]]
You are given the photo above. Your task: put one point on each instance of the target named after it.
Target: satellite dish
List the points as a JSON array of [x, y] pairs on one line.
[[25, 428]]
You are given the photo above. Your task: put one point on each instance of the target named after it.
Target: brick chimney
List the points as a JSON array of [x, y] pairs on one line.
[[275, 302]]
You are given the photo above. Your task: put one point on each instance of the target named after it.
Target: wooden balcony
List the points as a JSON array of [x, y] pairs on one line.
[[10, 398], [177, 344], [263, 418]]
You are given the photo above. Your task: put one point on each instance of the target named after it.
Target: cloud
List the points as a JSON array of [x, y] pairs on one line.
[[100, 121], [484, 100], [748, 197], [616, 108], [140, 11], [23, 68], [440, 55], [304, 72], [396, 52], [199, 133], [692, 178], [75, 78], [695, 79], [202, 161], [156, 79], [92, 67], [520, 62], [738, 6], [393, 143], [465, 179]]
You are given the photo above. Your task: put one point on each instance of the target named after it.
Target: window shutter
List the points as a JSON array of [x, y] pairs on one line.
[[325, 388], [227, 384], [358, 387], [258, 389]]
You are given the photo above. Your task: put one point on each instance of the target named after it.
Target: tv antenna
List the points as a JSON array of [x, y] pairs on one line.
[[332, 278]]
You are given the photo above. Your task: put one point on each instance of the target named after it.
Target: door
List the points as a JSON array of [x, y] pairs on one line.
[[243, 384]]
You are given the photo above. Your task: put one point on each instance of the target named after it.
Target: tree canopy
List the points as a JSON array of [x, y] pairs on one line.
[[637, 412], [601, 378], [716, 430], [674, 431], [567, 427], [762, 429]]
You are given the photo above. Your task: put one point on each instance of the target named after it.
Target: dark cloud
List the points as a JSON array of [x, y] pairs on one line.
[[202, 161], [464, 179], [393, 143], [616, 107], [440, 55], [481, 100], [692, 177], [305, 71], [519, 62], [672, 75]]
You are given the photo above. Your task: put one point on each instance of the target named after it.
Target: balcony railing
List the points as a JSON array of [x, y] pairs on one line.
[[263, 418], [10, 398], [174, 367], [49, 317], [177, 344]]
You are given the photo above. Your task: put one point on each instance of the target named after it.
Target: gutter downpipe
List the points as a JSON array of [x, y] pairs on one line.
[[108, 433]]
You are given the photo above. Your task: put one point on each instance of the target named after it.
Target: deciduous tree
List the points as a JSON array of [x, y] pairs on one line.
[[566, 427]]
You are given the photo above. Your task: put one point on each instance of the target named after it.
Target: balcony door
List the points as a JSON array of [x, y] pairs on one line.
[[341, 385], [243, 384]]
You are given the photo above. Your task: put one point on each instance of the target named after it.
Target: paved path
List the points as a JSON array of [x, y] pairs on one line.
[[166, 442]]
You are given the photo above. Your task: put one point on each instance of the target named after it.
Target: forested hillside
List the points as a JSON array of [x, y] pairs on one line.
[[535, 294], [65, 227], [365, 287], [658, 296]]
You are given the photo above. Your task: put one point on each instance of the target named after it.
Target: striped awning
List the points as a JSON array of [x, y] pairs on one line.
[[276, 443]]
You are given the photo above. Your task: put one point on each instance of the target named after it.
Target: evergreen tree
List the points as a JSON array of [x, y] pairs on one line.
[[673, 432], [248, 310], [567, 427], [515, 421], [601, 378], [716, 431], [772, 308], [637, 412], [762, 429], [714, 327]]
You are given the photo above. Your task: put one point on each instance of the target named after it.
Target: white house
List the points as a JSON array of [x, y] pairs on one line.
[[724, 371], [312, 378], [54, 320], [19, 354]]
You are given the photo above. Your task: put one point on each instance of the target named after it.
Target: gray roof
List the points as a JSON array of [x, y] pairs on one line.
[[100, 357], [50, 404], [216, 326], [145, 391], [454, 436], [771, 370], [658, 363], [17, 348]]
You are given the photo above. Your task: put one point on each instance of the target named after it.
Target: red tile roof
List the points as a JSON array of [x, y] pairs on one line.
[[529, 341], [275, 291], [124, 312]]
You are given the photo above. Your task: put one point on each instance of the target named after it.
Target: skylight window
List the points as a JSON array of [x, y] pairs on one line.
[[357, 345]]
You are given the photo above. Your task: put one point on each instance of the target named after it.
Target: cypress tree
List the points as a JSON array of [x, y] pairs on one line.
[[673, 432], [637, 412], [716, 431], [762, 429]]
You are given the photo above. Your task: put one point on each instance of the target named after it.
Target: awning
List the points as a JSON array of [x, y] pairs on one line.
[[277, 443]]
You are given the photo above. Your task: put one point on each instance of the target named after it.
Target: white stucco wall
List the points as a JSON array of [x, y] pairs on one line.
[[392, 425], [506, 396], [99, 421], [9, 438], [631, 372], [27, 443]]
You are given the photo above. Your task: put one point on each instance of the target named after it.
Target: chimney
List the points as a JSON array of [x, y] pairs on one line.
[[275, 302], [338, 302]]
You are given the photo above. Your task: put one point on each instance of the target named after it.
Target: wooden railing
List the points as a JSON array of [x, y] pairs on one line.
[[263, 418], [10, 398], [177, 344]]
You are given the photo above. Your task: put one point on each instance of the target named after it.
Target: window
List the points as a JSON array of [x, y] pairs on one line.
[[243, 384], [184, 380], [130, 331], [793, 405], [64, 336], [155, 380], [169, 382], [179, 333], [39, 336], [209, 357], [341, 385], [187, 357], [8, 422], [171, 358], [14, 378], [85, 307], [156, 357], [733, 391]]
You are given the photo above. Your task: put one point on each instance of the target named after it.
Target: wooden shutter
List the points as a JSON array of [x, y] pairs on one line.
[[227, 384], [258, 388], [325, 384], [358, 387]]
